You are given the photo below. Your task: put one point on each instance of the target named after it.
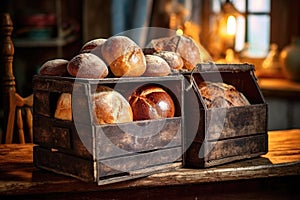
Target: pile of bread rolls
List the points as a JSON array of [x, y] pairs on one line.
[[120, 56]]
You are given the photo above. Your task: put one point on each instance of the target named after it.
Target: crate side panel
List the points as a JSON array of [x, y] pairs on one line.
[[64, 136], [137, 161], [193, 114], [233, 148], [236, 122], [64, 164], [53, 84], [209, 154], [122, 139], [41, 103]]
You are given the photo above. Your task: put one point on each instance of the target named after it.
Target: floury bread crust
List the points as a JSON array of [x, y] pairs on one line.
[[55, 67], [218, 95], [185, 46], [89, 46], [93, 46], [124, 56], [109, 106], [172, 58], [156, 66], [87, 65]]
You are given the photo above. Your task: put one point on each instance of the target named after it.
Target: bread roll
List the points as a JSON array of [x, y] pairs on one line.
[[87, 65], [110, 106], [93, 46], [156, 66], [172, 58], [124, 56], [217, 95], [55, 67], [185, 46], [64, 107], [151, 102]]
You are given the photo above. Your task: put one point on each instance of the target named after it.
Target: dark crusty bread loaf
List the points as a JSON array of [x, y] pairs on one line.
[[87, 65], [217, 95], [151, 102]]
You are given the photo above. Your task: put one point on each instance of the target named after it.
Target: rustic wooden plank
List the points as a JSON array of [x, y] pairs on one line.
[[63, 136], [239, 121], [42, 103], [61, 163], [140, 136], [212, 67], [117, 169], [214, 153], [20, 177], [141, 162], [284, 146]]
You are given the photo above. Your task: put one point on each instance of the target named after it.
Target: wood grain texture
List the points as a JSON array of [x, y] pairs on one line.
[[18, 176], [13, 103]]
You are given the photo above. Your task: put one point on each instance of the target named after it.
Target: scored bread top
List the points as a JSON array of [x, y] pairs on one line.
[[219, 94]]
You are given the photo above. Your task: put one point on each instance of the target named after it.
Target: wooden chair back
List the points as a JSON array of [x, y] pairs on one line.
[[16, 109]]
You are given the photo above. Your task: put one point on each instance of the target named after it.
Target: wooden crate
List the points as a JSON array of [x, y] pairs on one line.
[[222, 135], [104, 153]]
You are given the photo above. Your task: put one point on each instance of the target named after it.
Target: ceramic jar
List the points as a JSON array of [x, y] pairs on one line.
[[290, 60]]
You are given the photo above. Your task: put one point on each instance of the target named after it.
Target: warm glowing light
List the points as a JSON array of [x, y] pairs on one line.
[[231, 25], [179, 32]]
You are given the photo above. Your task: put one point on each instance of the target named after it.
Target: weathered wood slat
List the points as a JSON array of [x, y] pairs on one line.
[[20, 177]]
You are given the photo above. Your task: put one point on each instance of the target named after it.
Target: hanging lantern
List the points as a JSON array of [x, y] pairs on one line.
[[228, 25]]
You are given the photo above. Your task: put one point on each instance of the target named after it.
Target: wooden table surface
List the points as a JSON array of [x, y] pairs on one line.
[[271, 176]]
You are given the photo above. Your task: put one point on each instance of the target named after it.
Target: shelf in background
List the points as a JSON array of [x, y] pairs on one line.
[[52, 42], [276, 87]]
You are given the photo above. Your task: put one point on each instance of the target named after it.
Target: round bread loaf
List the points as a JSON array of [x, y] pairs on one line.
[[185, 46], [93, 46], [156, 66], [124, 56], [64, 107], [110, 106], [55, 67], [218, 95], [151, 102], [172, 58], [87, 65]]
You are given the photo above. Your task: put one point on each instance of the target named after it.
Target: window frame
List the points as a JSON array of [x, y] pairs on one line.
[[207, 23]]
